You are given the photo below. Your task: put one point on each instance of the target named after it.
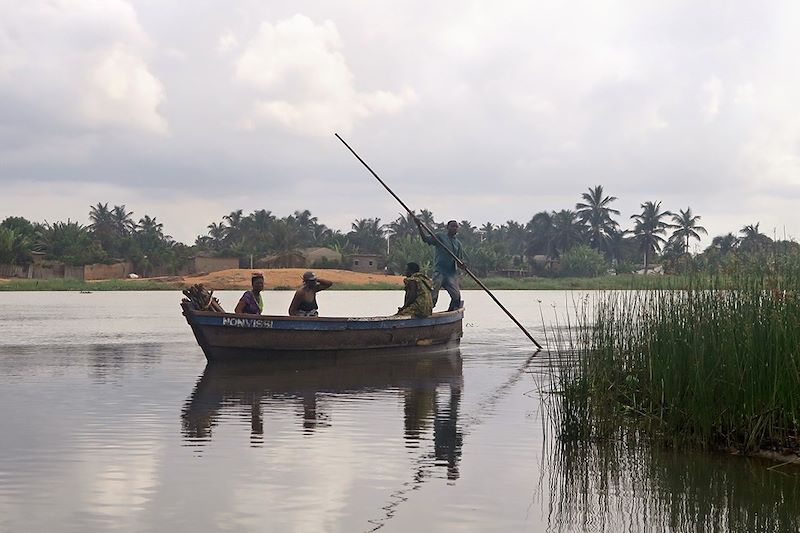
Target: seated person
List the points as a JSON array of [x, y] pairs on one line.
[[304, 302], [251, 303], [418, 302]]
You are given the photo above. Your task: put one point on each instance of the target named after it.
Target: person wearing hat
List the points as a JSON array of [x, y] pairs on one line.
[[251, 303], [418, 302], [304, 302]]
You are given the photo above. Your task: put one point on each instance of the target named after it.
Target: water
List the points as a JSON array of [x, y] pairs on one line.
[[110, 420]]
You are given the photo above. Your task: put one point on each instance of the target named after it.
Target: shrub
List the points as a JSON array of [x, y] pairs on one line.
[[582, 261]]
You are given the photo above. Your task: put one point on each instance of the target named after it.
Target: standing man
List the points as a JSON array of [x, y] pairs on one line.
[[444, 267]]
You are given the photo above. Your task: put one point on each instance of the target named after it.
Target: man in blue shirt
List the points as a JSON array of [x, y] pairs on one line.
[[444, 266]]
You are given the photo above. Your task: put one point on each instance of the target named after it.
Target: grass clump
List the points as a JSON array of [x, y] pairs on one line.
[[714, 367]]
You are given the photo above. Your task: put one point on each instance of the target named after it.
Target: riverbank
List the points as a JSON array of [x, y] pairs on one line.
[[713, 369], [289, 278], [232, 279]]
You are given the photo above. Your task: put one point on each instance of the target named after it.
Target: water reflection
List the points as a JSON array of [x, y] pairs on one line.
[[632, 487], [428, 384]]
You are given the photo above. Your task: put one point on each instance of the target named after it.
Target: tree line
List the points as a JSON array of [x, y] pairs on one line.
[[587, 240]]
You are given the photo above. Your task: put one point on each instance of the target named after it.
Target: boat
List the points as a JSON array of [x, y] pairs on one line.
[[224, 336]]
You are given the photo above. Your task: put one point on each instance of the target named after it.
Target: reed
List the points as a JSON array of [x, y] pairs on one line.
[[708, 365]]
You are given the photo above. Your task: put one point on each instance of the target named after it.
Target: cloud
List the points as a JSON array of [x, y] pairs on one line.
[[79, 66], [303, 81], [120, 90]]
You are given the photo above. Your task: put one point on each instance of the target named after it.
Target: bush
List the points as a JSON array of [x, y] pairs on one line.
[[582, 261]]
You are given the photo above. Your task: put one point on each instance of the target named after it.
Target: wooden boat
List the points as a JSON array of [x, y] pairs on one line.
[[230, 336]]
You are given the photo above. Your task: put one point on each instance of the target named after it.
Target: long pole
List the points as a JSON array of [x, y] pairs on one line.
[[440, 243]]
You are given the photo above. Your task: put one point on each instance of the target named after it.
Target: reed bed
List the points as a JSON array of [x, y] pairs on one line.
[[713, 367]]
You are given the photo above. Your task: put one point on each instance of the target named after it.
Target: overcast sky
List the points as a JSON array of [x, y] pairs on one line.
[[485, 111]]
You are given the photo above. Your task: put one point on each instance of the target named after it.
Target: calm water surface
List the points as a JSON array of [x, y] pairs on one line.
[[111, 420]]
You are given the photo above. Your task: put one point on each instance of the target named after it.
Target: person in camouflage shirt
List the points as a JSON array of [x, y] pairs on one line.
[[418, 301]]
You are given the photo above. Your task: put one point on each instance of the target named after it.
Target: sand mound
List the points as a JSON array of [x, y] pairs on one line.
[[239, 278]]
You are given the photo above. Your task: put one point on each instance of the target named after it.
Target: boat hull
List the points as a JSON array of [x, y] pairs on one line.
[[230, 336]]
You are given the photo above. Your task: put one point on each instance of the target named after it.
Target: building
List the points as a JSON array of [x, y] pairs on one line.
[[207, 263], [302, 258], [365, 262]]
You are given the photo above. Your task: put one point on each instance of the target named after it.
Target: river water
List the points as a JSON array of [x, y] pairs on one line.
[[111, 421]]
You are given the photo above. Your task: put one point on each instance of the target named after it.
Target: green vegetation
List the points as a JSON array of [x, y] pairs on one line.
[[582, 242], [710, 366], [69, 284]]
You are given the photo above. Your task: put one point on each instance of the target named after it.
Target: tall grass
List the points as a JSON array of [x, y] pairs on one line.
[[715, 367]]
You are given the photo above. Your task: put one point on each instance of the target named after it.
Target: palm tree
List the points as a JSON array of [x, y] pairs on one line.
[[467, 233], [487, 231], [595, 213], [403, 226], [123, 221], [567, 230], [725, 243], [752, 239], [649, 228], [367, 235], [306, 225], [102, 226], [150, 227], [686, 228], [234, 230], [285, 236], [540, 234], [217, 233], [258, 230]]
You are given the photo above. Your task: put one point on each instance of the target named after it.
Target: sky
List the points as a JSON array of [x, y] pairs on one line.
[[479, 111]]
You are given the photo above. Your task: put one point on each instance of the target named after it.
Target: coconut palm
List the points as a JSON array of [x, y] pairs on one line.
[[567, 231], [752, 239], [595, 213], [649, 228], [234, 229], [403, 226], [123, 221], [725, 243], [686, 227], [540, 234], [102, 226], [367, 235]]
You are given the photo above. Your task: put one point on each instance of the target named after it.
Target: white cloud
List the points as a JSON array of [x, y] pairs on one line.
[[120, 90], [80, 64], [304, 82], [713, 91], [227, 42]]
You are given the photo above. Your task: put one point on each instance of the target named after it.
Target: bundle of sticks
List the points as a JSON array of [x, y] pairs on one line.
[[203, 299]]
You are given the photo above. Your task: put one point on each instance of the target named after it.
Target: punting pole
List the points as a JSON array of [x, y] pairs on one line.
[[430, 232]]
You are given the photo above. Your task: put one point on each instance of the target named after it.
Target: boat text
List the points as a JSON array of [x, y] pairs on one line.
[[247, 323]]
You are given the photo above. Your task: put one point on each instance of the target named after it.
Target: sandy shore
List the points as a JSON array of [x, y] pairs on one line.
[[239, 278]]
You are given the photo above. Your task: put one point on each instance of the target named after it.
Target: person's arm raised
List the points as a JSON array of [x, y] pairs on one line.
[[322, 284]]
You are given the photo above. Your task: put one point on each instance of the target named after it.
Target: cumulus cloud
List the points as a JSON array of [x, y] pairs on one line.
[[303, 80], [120, 90], [80, 64]]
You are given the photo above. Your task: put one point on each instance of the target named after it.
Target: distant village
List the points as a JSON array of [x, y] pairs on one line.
[[585, 241]]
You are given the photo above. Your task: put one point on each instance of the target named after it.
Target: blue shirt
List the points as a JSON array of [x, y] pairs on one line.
[[443, 262]]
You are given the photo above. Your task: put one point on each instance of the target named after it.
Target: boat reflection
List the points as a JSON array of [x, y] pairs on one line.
[[429, 384]]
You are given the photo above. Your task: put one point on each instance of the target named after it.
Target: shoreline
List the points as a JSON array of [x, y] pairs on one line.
[[290, 279]]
